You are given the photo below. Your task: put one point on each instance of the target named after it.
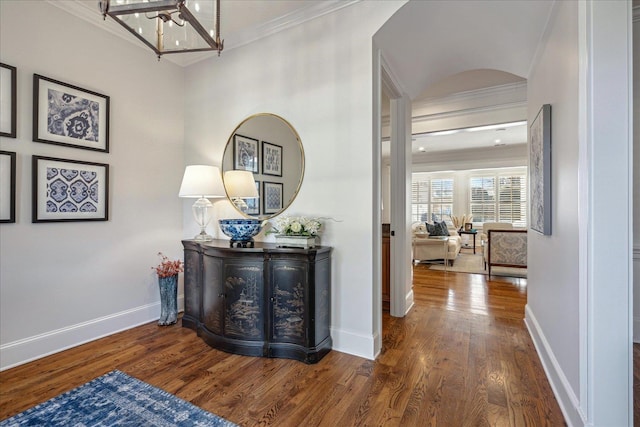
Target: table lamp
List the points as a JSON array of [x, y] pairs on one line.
[[240, 185], [202, 182]]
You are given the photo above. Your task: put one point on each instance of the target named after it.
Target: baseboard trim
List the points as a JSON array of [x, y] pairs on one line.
[[569, 403], [354, 343], [35, 347], [408, 303]]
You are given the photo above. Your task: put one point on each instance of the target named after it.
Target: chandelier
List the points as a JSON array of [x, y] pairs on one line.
[[168, 26]]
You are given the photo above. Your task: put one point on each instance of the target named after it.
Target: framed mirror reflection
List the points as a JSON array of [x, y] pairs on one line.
[[269, 148]]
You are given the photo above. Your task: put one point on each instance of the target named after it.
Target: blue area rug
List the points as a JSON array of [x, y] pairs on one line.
[[116, 399]]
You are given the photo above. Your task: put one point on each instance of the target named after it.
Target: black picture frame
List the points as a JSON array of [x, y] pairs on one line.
[[68, 115], [8, 108], [245, 153], [7, 186], [271, 197], [253, 204], [540, 171], [69, 190], [271, 159]]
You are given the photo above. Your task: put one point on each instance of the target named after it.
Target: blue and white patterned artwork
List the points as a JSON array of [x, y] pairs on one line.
[[272, 197], [73, 116], [71, 190]]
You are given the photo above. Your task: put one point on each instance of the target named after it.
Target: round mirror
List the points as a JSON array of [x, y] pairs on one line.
[[269, 148]]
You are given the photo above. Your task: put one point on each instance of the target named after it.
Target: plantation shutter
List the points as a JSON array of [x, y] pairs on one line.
[[483, 200], [419, 200], [441, 198], [512, 201]]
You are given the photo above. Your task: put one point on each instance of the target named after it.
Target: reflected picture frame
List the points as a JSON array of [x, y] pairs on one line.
[[68, 115], [272, 197], [245, 153], [8, 100], [7, 186], [271, 159], [253, 204], [69, 190], [540, 171]]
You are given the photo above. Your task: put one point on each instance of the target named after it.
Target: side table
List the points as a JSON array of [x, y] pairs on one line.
[[473, 233]]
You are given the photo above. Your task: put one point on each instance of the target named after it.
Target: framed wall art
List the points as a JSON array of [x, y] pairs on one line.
[[7, 186], [69, 190], [68, 115], [271, 159], [245, 153], [271, 197], [8, 100], [540, 171], [253, 205]]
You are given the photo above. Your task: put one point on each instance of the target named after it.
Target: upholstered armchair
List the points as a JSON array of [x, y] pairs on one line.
[[507, 248], [484, 236]]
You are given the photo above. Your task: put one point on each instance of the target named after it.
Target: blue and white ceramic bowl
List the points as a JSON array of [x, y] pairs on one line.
[[240, 230]]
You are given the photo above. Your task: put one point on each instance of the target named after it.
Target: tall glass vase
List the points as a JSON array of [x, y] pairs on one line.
[[168, 300]]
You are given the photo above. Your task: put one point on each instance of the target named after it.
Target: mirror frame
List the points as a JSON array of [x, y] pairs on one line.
[[229, 146]]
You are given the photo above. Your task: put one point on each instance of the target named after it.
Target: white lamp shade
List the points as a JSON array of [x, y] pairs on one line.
[[202, 181], [240, 184]]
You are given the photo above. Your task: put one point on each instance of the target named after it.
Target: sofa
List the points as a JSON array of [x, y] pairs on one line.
[[432, 248]]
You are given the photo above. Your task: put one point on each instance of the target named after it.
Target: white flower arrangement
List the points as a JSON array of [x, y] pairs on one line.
[[296, 226]]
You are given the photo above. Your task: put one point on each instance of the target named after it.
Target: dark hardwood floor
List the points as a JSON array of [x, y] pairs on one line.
[[461, 357]]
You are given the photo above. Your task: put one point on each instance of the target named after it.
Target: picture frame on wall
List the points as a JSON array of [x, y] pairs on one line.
[[540, 171], [253, 204], [8, 100], [7, 186], [271, 159], [245, 153], [64, 114], [272, 197], [69, 190]]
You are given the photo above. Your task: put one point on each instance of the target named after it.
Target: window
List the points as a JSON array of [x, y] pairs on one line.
[[499, 198], [431, 197], [483, 199]]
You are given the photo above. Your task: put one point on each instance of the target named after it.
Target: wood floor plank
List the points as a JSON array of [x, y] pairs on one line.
[[461, 357]]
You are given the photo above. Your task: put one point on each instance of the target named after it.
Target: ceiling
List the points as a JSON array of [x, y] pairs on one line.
[[420, 56]]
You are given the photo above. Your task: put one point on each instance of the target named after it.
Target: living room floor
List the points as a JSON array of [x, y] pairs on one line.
[[461, 357]]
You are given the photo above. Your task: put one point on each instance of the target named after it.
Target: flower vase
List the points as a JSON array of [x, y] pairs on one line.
[[168, 300]]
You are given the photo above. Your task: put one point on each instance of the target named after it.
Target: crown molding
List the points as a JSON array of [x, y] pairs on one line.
[[89, 12], [473, 95], [468, 111]]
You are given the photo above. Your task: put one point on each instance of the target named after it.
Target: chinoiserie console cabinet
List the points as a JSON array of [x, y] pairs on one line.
[[261, 301]]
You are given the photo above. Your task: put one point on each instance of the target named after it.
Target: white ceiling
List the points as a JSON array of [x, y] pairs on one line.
[[480, 34]]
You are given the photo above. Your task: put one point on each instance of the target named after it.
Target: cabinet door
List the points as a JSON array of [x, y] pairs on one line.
[[289, 297], [212, 295], [244, 299], [192, 284]]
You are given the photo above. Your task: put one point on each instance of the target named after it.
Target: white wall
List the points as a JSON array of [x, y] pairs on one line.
[[318, 76], [552, 285], [578, 296], [636, 177], [65, 283]]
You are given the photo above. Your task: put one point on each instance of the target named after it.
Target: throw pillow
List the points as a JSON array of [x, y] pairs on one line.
[[430, 228], [438, 229]]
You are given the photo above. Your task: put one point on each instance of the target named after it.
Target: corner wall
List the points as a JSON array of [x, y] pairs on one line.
[[318, 76], [579, 284], [62, 284]]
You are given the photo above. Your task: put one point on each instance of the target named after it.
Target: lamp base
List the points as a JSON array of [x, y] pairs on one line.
[[203, 237]]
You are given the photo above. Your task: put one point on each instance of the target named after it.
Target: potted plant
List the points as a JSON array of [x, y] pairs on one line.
[[167, 272], [296, 231]]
